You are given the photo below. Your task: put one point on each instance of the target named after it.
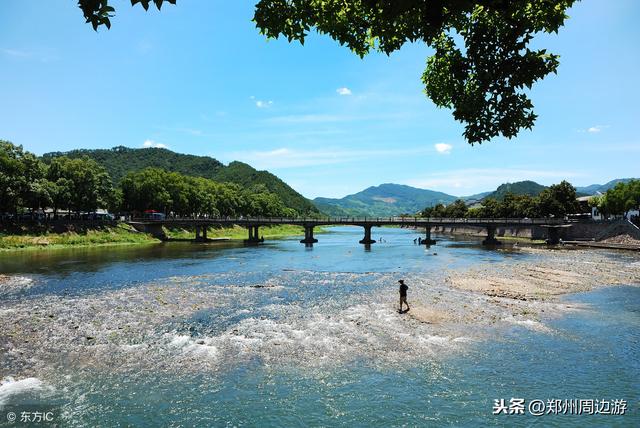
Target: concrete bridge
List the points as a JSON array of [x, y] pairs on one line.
[[253, 224]]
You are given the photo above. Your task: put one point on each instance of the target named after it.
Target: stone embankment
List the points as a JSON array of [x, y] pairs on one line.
[[618, 234], [621, 235], [524, 232]]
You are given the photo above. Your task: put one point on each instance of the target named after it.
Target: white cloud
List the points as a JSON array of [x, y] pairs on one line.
[[291, 158], [153, 144], [16, 53], [443, 148], [263, 104], [39, 55], [286, 158], [343, 91], [594, 129]]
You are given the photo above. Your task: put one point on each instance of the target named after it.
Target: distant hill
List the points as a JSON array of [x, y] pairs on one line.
[[527, 187], [393, 199], [472, 199], [595, 188], [120, 160], [383, 201], [246, 175]]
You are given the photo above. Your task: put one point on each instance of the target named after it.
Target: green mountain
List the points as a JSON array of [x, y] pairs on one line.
[[383, 201], [120, 160], [394, 199], [527, 187], [472, 199], [595, 188], [246, 175]]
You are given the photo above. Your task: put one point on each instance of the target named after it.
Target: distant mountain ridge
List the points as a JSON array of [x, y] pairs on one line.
[[121, 160], [476, 197], [526, 187], [595, 188], [395, 199], [383, 201]]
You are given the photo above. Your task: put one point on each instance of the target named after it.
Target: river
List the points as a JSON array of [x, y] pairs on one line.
[[280, 334]]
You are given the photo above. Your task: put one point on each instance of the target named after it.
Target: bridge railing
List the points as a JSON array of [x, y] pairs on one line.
[[355, 220]]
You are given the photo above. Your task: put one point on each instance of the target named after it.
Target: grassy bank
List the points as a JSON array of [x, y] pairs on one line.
[[239, 232], [124, 235], [107, 235]]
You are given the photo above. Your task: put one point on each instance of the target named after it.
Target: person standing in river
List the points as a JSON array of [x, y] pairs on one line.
[[403, 295]]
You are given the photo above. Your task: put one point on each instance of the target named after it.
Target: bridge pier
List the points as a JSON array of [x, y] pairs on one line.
[[254, 237], [491, 237], [428, 241], [553, 235], [367, 236], [308, 236], [201, 233], [554, 227], [156, 231]]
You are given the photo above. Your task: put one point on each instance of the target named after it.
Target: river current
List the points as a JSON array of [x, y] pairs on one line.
[[280, 334]]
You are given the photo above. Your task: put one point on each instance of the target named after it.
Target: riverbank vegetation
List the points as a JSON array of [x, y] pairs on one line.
[[40, 238], [171, 192], [120, 161], [72, 188], [618, 200], [239, 232], [557, 200], [82, 185], [73, 235], [27, 183]]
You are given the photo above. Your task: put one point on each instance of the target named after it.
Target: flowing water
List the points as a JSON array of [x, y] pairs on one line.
[[186, 334]]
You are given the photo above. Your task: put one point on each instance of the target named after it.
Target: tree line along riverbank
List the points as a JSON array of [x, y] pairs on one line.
[[39, 237], [76, 187]]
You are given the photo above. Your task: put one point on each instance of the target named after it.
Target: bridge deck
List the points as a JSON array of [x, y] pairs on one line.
[[356, 221]]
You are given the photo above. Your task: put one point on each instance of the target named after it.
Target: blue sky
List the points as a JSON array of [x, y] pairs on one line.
[[198, 78]]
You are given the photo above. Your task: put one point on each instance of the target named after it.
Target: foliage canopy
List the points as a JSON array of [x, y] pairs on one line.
[[557, 200], [619, 199], [81, 184], [119, 161]]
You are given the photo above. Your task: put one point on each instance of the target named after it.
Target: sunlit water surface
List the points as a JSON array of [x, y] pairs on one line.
[[308, 336]]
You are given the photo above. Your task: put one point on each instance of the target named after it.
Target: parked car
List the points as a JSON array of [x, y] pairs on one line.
[[98, 215], [153, 215]]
